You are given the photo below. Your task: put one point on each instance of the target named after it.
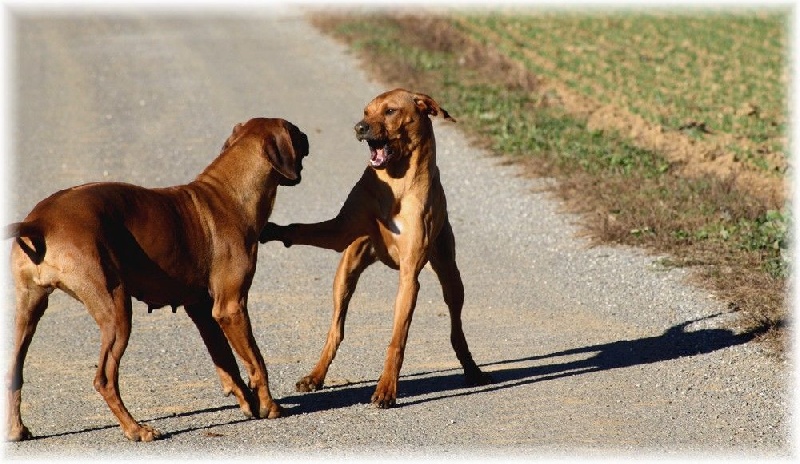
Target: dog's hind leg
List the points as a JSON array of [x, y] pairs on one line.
[[443, 262], [355, 259], [222, 355], [31, 304], [110, 306]]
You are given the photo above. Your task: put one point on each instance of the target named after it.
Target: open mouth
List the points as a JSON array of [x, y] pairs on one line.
[[379, 153]]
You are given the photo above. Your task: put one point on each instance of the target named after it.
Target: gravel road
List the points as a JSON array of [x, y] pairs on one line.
[[595, 351]]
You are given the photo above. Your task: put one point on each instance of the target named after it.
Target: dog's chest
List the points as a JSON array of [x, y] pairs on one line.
[[387, 243], [395, 225], [389, 218]]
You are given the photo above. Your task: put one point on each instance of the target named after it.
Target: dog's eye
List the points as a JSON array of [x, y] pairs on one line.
[[390, 111]]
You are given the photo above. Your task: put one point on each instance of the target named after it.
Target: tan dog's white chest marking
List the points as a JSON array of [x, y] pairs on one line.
[[395, 226]]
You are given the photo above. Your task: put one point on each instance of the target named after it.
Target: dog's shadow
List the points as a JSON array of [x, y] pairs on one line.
[[422, 387], [675, 342], [165, 434]]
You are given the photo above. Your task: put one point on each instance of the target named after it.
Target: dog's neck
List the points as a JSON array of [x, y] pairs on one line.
[[415, 168], [242, 179]]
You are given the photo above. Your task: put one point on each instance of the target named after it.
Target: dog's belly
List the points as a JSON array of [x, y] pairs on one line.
[[160, 291]]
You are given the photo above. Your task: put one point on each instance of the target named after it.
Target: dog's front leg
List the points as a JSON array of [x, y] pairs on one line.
[[334, 234], [355, 260], [411, 263], [385, 394], [231, 315], [222, 356], [354, 220]]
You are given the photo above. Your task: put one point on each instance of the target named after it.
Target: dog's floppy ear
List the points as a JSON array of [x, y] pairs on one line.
[[428, 105], [235, 134], [285, 149]]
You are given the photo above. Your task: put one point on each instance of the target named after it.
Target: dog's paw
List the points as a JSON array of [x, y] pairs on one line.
[[385, 395], [267, 233], [271, 411], [19, 434], [142, 433], [383, 401], [272, 232], [308, 384]]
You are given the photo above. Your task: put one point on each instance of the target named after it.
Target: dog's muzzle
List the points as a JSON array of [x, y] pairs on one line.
[[380, 153]]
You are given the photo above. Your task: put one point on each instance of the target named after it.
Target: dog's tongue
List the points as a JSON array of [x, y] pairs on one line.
[[377, 156]]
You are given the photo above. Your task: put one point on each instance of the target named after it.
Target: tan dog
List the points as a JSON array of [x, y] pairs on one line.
[[194, 245], [396, 213]]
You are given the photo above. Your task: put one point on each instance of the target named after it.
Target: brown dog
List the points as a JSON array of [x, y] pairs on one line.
[[396, 213], [194, 246]]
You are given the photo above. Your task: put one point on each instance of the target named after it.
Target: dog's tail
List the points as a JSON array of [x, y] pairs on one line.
[[30, 238]]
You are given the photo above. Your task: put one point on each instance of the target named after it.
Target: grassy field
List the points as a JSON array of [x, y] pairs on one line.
[[708, 75], [530, 88]]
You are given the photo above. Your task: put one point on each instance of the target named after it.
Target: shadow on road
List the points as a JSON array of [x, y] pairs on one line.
[[164, 435], [676, 342], [422, 387]]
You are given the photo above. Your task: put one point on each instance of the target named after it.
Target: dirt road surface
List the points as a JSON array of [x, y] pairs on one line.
[[595, 351]]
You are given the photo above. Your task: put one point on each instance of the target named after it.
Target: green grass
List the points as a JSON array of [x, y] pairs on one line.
[[627, 194], [725, 70]]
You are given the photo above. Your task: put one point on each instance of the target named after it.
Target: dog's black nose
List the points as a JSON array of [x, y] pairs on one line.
[[361, 129]]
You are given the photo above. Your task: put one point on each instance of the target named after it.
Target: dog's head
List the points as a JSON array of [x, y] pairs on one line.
[[394, 122], [282, 143]]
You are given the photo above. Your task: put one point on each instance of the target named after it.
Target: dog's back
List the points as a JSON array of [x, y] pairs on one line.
[[116, 223]]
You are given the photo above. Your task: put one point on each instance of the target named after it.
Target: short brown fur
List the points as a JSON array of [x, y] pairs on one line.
[[193, 245], [396, 213]]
